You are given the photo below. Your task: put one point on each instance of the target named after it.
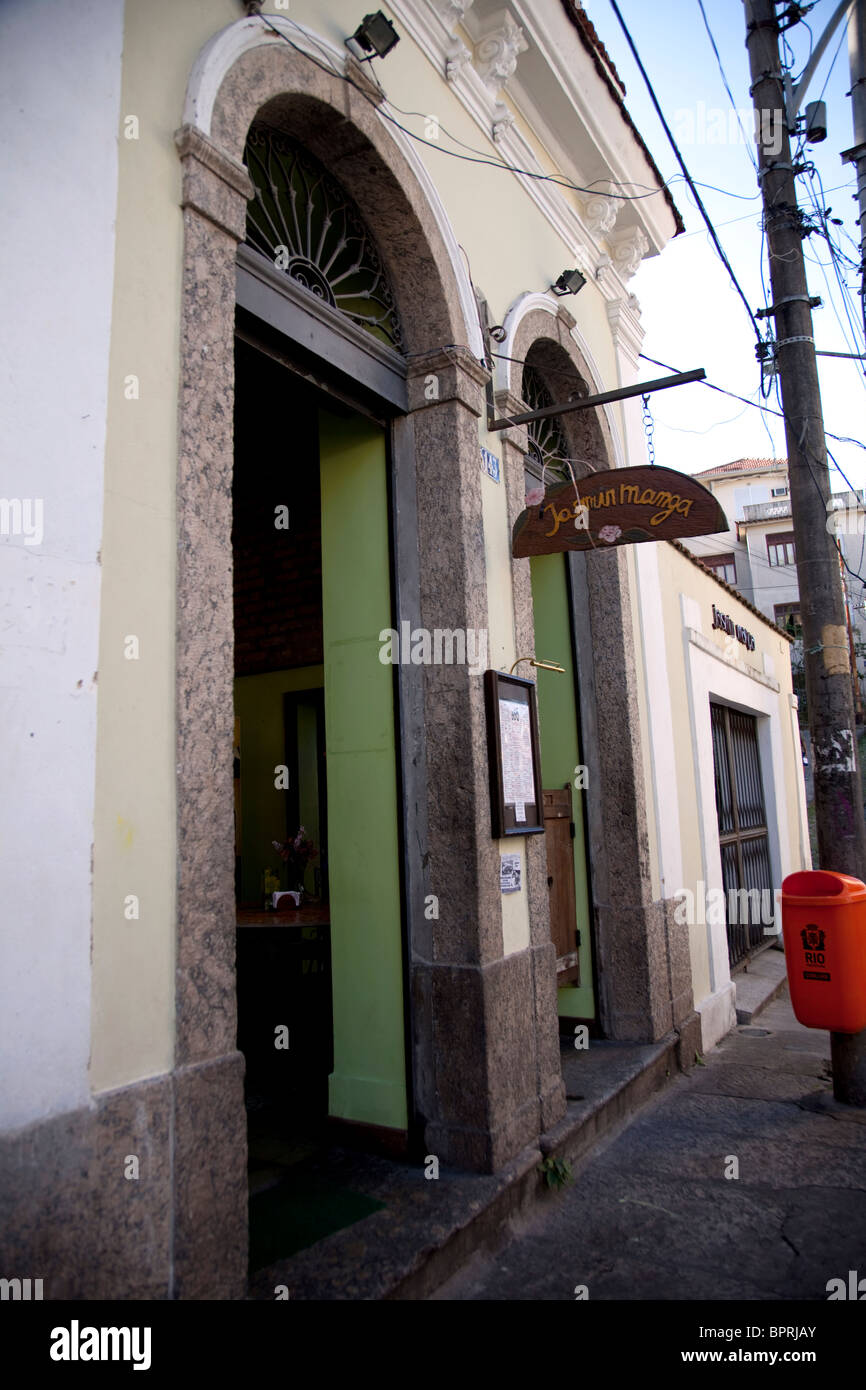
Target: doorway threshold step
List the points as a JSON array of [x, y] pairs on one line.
[[428, 1229]]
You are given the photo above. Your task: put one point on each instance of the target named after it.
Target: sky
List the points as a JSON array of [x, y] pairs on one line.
[[691, 313]]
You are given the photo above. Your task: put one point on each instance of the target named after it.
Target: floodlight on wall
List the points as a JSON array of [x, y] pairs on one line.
[[376, 36], [569, 282]]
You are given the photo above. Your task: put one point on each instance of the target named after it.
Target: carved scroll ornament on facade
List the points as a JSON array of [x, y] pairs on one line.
[[498, 49], [600, 213], [628, 249], [456, 58]]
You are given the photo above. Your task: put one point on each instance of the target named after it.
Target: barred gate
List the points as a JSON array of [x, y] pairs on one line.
[[742, 830]]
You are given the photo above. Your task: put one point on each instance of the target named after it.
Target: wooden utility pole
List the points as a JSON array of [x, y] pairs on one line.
[[838, 795]]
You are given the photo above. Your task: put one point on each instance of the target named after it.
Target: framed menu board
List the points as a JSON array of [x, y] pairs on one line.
[[512, 749]]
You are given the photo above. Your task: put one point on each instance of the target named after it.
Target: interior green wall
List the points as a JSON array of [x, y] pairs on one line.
[[368, 1083], [560, 747], [259, 707]]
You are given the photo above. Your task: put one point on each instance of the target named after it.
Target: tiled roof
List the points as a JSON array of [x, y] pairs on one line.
[[743, 466], [607, 72]]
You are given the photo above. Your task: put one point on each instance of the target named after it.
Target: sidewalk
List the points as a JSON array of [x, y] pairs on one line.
[[652, 1215], [396, 1235]]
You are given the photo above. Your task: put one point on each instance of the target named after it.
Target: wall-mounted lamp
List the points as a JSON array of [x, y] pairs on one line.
[[569, 282], [541, 665], [377, 35]]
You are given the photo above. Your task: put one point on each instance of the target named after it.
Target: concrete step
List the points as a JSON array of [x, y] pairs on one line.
[[759, 983], [429, 1229]]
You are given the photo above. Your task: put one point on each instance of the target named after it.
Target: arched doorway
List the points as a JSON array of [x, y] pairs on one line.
[[635, 949]]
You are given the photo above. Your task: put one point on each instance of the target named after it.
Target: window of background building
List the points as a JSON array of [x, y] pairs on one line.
[[780, 548], [778, 492], [723, 566], [787, 615]]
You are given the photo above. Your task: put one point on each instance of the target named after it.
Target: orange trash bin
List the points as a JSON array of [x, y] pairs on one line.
[[824, 929]]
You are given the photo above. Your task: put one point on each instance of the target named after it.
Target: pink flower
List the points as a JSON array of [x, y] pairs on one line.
[[534, 496], [610, 534]]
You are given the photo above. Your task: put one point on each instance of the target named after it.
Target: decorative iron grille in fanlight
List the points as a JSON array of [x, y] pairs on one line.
[[302, 220], [548, 446]]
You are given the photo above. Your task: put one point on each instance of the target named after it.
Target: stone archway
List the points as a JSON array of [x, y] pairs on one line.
[[481, 1093], [643, 972]]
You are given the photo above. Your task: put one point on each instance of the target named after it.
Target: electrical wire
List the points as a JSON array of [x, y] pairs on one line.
[[746, 141], [480, 156], [838, 261], [840, 438], [712, 231]]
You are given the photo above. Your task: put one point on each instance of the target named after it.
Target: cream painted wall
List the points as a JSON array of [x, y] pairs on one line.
[[59, 100], [704, 664], [510, 247], [134, 832]]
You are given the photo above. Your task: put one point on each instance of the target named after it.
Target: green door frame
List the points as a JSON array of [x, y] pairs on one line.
[[560, 738], [339, 393]]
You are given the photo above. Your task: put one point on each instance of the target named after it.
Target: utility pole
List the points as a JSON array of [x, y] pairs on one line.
[[838, 796], [857, 154]]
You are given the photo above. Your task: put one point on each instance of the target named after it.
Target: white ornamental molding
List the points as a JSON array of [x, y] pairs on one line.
[[456, 58], [452, 11], [503, 120], [603, 266], [600, 214], [628, 249], [623, 315], [497, 51]]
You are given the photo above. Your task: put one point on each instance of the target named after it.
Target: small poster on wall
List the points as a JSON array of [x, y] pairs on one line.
[[509, 873]]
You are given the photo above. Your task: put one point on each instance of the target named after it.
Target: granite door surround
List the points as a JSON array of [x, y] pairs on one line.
[[485, 1083], [644, 988]]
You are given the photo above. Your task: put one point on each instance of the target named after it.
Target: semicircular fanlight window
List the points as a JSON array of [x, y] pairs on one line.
[[302, 220], [548, 447]]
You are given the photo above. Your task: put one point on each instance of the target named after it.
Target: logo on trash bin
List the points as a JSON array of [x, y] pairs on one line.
[[813, 938], [813, 944]]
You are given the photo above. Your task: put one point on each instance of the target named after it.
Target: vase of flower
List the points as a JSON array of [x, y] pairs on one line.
[[296, 854]]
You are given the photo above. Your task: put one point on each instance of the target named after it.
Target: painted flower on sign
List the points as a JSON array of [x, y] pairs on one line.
[[609, 534]]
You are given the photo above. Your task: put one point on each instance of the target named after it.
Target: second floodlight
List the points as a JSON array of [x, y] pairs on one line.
[[569, 282], [377, 35]]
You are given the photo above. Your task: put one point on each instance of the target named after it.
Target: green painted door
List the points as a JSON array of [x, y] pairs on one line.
[[369, 1079], [559, 734]]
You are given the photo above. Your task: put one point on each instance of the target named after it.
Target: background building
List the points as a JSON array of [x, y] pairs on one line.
[[758, 556]]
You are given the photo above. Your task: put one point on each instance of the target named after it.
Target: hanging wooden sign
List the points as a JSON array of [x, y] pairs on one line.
[[617, 506]]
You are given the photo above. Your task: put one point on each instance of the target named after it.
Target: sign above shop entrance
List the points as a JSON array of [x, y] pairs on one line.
[[742, 634], [617, 506]]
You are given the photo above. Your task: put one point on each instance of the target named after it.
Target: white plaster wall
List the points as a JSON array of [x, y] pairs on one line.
[[662, 783], [59, 107]]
